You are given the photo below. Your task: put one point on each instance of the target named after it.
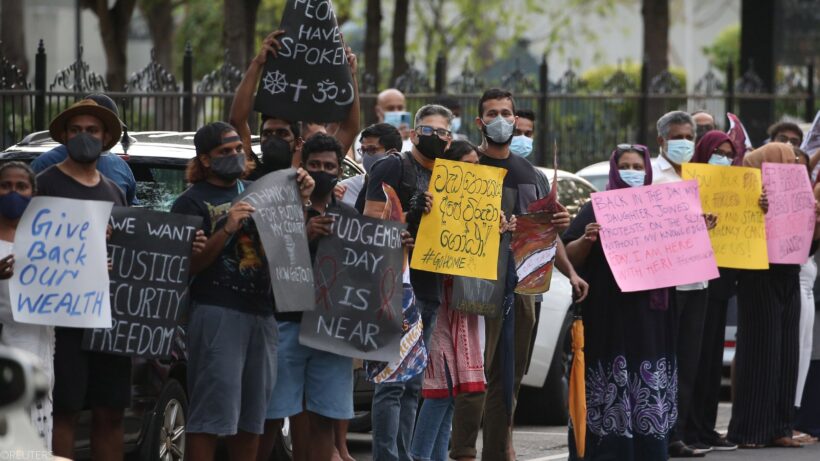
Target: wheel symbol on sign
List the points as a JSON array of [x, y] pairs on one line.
[[275, 82]]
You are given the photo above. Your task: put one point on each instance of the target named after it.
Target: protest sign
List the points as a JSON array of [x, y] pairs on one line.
[[732, 194], [485, 297], [309, 79], [280, 221], [737, 133], [533, 246], [150, 254], [655, 236], [358, 269], [60, 268], [460, 234], [790, 219]]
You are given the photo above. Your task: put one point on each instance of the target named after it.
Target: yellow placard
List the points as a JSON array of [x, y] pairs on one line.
[[460, 234], [731, 193]]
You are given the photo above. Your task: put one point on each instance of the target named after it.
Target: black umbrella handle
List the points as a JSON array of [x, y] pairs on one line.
[[576, 310]]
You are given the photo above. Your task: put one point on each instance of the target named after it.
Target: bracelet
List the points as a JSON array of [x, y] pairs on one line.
[[307, 204]]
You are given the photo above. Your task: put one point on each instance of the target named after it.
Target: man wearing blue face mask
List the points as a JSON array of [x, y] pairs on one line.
[[375, 143], [676, 136]]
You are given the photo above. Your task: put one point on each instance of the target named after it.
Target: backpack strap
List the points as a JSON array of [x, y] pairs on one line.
[[409, 179]]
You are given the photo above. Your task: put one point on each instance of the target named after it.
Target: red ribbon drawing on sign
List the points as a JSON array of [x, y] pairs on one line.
[[387, 294], [324, 285]]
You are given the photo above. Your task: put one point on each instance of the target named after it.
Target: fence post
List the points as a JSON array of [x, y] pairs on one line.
[[810, 92], [543, 122], [40, 88], [441, 74], [187, 89], [730, 87], [643, 112]]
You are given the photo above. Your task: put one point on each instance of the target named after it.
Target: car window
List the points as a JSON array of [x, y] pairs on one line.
[[158, 186], [573, 194]]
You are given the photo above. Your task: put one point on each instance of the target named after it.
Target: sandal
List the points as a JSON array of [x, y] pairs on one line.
[[805, 439], [786, 442]]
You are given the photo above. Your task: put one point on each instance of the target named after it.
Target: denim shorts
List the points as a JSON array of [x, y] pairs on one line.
[[231, 370], [322, 380]]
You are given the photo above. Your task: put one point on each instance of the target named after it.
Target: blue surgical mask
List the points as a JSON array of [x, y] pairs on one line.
[[680, 151], [521, 145], [12, 205], [500, 130], [455, 124], [716, 159], [634, 178]]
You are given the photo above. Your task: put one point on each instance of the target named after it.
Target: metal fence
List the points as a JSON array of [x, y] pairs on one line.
[[584, 124]]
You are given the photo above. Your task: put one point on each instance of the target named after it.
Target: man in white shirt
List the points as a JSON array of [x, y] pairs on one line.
[[676, 137]]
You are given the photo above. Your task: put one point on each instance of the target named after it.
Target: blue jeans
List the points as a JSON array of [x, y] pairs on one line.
[[394, 415], [432, 437]]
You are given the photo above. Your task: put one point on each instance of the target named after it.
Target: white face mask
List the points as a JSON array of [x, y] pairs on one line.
[[723, 160], [634, 178], [680, 151]]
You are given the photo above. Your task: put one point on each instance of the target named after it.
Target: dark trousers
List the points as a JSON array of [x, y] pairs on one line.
[[703, 416], [692, 307]]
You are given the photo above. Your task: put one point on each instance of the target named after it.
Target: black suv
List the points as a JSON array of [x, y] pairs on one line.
[[155, 423]]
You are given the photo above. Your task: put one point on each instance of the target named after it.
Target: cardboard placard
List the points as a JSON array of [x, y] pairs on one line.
[[310, 79], [358, 269], [280, 221], [151, 257], [790, 219], [60, 268]]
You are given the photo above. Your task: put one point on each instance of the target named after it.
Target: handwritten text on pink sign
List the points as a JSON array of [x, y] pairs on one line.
[[655, 236], [790, 219]]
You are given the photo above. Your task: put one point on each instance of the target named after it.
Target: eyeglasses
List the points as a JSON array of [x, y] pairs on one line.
[[722, 153], [424, 130], [784, 138]]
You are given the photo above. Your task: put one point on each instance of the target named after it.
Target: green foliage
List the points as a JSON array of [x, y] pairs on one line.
[[201, 24], [725, 49], [597, 77]]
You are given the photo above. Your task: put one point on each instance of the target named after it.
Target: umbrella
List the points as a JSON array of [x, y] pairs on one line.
[[577, 386]]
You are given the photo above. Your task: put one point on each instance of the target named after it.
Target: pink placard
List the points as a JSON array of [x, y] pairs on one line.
[[655, 236], [790, 219]]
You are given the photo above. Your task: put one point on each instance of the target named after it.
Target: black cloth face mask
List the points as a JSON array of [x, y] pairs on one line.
[[276, 154], [84, 148], [431, 146]]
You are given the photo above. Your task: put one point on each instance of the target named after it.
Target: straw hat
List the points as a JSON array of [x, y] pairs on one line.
[[109, 119]]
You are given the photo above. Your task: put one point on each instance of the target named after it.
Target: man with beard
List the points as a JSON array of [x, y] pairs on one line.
[[280, 139], [497, 120]]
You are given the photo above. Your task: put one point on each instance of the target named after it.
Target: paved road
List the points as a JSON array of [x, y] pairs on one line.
[[540, 443]]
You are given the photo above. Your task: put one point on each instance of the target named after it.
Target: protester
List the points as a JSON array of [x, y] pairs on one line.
[[786, 132], [714, 148], [511, 334], [83, 378], [17, 185], [232, 334], [521, 143], [395, 403], [376, 142], [704, 123], [808, 274], [455, 107], [766, 358], [279, 138], [676, 135], [455, 366], [110, 165], [629, 345], [390, 105]]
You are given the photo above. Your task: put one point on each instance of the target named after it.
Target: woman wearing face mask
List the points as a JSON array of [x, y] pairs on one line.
[[631, 378], [17, 185], [766, 360]]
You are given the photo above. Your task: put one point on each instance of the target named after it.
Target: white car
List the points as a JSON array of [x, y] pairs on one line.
[[544, 390]]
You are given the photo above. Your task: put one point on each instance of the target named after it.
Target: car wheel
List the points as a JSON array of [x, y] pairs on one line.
[[361, 422], [165, 438], [283, 446], [549, 405]]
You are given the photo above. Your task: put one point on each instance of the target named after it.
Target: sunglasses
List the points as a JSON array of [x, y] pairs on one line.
[[628, 147]]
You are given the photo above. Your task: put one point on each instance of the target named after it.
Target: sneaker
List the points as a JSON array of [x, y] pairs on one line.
[[721, 444], [681, 450], [700, 447]]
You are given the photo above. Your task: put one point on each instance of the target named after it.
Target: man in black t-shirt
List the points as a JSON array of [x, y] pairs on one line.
[[496, 120], [82, 378]]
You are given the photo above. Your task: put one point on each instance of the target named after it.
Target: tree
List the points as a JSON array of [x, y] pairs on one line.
[[372, 40], [400, 39], [656, 35], [725, 49], [159, 17], [12, 34], [238, 31], [114, 33]]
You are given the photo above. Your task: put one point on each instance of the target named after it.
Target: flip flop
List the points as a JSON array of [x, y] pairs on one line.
[[786, 442]]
